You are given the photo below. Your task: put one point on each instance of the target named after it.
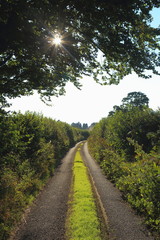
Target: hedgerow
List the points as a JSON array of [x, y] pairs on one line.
[[126, 145], [30, 149]]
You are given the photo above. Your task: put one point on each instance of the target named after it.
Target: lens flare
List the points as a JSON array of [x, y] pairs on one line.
[[57, 40]]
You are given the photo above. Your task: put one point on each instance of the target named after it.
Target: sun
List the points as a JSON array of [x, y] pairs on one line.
[[57, 40]]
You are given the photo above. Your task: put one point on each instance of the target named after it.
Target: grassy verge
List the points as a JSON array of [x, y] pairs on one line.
[[82, 221]]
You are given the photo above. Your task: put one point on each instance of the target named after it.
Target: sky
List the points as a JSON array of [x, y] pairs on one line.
[[93, 102]]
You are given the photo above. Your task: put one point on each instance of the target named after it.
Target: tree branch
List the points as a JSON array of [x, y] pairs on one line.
[[6, 60]]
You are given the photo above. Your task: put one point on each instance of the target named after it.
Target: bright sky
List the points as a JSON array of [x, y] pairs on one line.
[[93, 101]]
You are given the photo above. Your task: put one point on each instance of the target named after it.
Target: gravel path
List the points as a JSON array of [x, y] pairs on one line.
[[46, 220], [122, 221]]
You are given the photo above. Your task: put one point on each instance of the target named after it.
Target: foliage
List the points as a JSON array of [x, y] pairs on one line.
[[79, 125], [82, 221], [29, 60], [136, 99], [141, 187], [133, 99], [139, 125], [126, 145], [31, 147]]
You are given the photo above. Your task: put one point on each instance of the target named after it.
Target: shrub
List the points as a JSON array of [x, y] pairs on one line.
[[31, 147], [126, 145]]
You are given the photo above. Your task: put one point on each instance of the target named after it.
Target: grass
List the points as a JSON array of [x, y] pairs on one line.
[[82, 220]]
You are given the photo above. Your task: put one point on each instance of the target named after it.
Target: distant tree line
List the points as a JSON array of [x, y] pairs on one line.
[[79, 125], [82, 126]]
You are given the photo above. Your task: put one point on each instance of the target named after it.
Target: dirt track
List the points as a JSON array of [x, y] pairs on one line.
[[46, 220]]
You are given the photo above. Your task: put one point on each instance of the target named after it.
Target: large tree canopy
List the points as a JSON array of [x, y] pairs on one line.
[[30, 60], [133, 100]]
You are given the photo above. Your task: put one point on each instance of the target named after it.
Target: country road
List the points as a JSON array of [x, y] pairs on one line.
[[46, 220]]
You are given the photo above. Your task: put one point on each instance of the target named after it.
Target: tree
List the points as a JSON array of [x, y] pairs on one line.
[[77, 125], [133, 99], [85, 126], [30, 60]]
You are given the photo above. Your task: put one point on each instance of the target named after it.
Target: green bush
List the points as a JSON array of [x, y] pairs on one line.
[[141, 187], [142, 126], [31, 147], [126, 145]]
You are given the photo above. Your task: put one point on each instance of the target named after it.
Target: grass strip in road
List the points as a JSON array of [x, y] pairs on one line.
[[82, 221]]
